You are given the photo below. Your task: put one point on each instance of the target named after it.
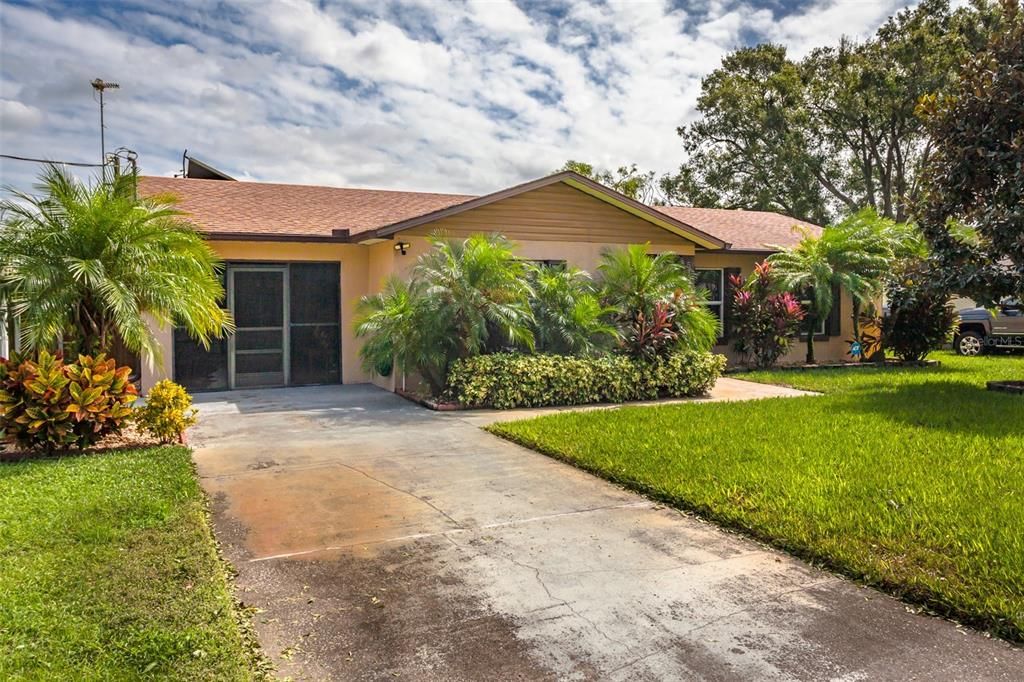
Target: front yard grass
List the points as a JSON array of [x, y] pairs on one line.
[[907, 479], [109, 571]]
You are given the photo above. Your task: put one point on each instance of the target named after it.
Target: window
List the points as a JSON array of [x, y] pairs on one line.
[[712, 280], [821, 326], [548, 263]]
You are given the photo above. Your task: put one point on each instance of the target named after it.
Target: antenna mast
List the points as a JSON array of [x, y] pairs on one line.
[[99, 85]]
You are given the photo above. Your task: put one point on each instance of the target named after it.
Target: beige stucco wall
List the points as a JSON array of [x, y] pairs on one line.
[[553, 223], [832, 350], [354, 263]]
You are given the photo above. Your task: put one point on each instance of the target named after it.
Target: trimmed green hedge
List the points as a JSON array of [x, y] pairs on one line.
[[506, 380]]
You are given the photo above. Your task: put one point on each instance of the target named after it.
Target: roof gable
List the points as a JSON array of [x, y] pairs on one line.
[[576, 181]]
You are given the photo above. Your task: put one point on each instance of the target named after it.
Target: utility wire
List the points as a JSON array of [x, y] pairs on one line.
[[63, 163]]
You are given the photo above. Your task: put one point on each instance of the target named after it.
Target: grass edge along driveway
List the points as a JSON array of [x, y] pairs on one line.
[[906, 479], [110, 571]]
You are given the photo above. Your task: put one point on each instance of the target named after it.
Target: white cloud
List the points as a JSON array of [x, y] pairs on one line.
[[458, 97], [17, 117]]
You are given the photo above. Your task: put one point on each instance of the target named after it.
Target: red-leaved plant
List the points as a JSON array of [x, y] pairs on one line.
[[764, 322], [649, 336]]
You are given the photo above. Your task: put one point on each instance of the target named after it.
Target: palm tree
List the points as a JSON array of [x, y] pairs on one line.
[[568, 316], [635, 283], [87, 264], [463, 298], [884, 246], [479, 287], [847, 255], [401, 330], [633, 280]]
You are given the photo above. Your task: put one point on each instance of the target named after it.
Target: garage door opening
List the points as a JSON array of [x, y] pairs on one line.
[[288, 332]]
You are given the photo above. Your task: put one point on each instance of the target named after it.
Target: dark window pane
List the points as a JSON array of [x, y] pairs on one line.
[[711, 281], [313, 290], [198, 369], [315, 354], [259, 298], [259, 340], [716, 310]]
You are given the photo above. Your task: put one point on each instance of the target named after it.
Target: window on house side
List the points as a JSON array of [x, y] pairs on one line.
[[712, 280]]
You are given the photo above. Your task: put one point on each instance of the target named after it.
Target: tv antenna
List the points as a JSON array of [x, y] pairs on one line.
[[99, 85]]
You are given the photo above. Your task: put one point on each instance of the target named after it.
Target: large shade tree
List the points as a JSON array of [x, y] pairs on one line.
[[973, 211], [831, 133], [92, 264]]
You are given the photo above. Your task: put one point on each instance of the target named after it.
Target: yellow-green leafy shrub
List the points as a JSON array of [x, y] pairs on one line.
[[506, 380], [48, 405], [167, 413]]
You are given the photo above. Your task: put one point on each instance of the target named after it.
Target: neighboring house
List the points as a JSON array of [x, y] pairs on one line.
[[300, 257]]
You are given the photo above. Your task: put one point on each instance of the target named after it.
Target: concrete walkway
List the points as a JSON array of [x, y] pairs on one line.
[[382, 540]]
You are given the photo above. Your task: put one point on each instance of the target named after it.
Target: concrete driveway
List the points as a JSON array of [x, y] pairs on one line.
[[382, 540]]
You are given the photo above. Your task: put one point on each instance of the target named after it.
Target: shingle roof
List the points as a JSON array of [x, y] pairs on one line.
[[252, 209], [744, 230], [221, 207]]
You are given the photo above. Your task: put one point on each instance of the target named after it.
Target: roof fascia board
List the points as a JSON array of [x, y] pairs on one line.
[[270, 237]]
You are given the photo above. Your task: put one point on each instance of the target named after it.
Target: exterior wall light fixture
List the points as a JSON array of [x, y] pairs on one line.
[[402, 247]]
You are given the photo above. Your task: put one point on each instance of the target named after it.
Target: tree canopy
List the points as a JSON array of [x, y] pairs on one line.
[[90, 264], [629, 180], [830, 133], [973, 209]]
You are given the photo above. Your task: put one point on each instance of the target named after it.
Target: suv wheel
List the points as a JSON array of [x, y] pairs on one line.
[[970, 344]]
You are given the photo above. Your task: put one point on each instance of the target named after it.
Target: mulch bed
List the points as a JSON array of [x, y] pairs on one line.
[[1007, 386], [130, 438], [430, 403]]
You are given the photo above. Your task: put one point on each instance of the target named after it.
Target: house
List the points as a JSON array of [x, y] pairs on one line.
[[300, 257]]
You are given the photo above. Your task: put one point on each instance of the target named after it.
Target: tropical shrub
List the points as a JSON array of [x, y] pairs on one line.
[[920, 318], [568, 318], [48, 405], [507, 380], [764, 323], [646, 290], [653, 335], [465, 297], [88, 265], [167, 413]]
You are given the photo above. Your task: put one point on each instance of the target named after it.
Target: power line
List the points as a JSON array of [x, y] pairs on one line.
[[63, 163]]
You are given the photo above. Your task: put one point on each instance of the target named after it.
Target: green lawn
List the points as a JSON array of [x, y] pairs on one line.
[[109, 571], [910, 479]]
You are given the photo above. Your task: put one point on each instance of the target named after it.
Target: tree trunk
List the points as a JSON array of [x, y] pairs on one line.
[[811, 324]]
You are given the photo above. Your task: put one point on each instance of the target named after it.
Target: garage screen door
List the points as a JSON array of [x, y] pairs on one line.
[[287, 330]]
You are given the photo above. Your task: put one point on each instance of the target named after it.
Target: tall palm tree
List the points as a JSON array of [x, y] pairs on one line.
[[840, 256], [87, 264], [569, 319]]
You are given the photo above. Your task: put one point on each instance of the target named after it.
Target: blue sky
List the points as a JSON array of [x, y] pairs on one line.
[[418, 94]]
